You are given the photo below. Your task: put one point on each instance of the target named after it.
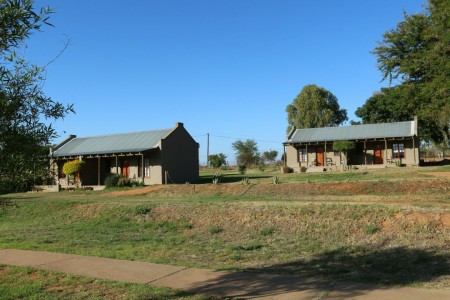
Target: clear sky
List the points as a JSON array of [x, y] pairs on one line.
[[228, 68]]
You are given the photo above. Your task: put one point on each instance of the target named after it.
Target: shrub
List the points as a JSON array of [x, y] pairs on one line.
[[217, 178], [276, 180], [112, 181], [262, 167], [242, 169], [215, 230], [370, 229], [123, 181], [267, 231], [245, 180]]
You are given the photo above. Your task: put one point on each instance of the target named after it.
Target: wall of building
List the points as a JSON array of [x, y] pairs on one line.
[[357, 156], [180, 157]]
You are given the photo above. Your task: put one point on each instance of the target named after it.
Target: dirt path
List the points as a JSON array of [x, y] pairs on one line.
[[134, 192], [439, 174], [217, 283]]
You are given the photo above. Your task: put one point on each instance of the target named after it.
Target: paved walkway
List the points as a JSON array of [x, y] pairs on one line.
[[218, 283]]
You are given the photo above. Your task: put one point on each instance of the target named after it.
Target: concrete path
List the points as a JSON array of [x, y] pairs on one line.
[[217, 283]]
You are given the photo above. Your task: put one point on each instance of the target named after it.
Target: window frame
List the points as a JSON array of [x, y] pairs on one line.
[[398, 151]]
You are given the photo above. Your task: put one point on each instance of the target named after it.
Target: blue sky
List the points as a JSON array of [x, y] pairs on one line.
[[228, 68]]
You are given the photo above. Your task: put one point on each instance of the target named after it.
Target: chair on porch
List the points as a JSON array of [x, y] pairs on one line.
[[330, 162]]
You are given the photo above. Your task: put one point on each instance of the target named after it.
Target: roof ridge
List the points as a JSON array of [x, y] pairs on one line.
[[346, 126], [124, 133]]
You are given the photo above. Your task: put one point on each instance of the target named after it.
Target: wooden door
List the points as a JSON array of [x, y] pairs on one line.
[[378, 156], [319, 157], [125, 168]]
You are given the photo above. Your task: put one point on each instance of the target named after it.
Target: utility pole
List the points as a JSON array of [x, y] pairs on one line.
[[207, 150]]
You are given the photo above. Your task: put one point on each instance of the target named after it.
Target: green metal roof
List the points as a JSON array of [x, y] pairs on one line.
[[354, 132], [114, 143]]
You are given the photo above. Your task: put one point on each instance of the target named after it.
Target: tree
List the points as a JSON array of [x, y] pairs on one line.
[[246, 152], [344, 147], [270, 156], [417, 55], [315, 107], [217, 160], [25, 111], [74, 168]]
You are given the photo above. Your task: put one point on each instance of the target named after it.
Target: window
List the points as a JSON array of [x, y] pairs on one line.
[[302, 154], [398, 150], [336, 153], [147, 167]]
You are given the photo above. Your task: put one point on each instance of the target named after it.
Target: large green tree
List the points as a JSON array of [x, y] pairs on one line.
[[25, 111], [416, 56], [246, 152], [315, 107]]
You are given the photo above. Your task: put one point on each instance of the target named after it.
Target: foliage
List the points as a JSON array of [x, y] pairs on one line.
[[270, 156], [246, 152], [245, 180], [217, 178], [25, 111], [111, 181], [276, 180], [73, 167], [215, 230], [118, 180], [415, 54], [343, 146], [217, 160], [315, 107], [242, 169]]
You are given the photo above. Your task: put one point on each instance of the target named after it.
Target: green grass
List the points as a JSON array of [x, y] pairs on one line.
[[257, 176], [30, 283], [334, 236]]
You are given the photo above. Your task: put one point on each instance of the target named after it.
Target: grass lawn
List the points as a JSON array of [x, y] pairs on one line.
[[30, 283], [383, 226]]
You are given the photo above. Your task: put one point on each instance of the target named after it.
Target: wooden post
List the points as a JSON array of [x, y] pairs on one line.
[[414, 150], [325, 155], [117, 167], [365, 153], [385, 152], [98, 170], [307, 156], [143, 170]]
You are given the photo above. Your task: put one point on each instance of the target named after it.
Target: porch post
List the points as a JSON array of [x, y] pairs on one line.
[[325, 155], [98, 171], [117, 167], [284, 155], [385, 152], [414, 150], [365, 153], [142, 169], [307, 156]]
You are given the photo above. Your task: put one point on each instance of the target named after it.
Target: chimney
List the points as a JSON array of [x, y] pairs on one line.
[[179, 124], [416, 126]]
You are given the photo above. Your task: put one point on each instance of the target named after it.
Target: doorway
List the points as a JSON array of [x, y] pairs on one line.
[[125, 168], [378, 155], [319, 157]]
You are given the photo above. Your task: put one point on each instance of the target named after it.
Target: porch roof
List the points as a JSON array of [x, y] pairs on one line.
[[110, 144], [354, 132]]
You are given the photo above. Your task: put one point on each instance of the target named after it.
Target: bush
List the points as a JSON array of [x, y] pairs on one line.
[[112, 181], [215, 230], [242, 169], [124, 181]]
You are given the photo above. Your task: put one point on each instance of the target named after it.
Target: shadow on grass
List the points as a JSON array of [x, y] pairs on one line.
[[348, 272], [229, 178], [443, 162]]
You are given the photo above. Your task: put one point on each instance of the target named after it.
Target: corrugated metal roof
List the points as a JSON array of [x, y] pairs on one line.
[[354, 132], [114, 143]]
